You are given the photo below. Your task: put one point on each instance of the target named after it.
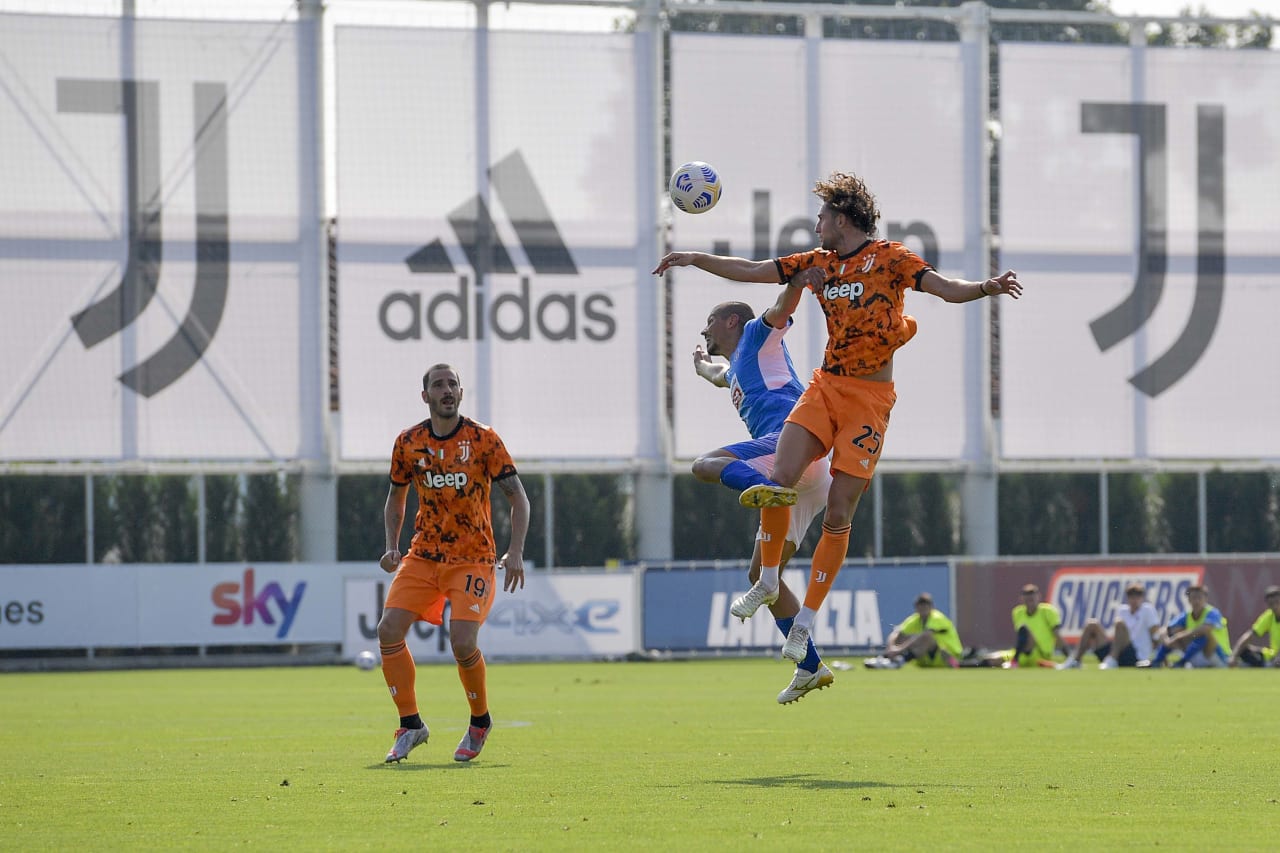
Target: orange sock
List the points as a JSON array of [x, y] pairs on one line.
[[828, 557], [774, 521], [400, 673], [471, 674]]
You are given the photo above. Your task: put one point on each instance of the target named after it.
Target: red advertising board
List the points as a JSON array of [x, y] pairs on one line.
[[987, 592]]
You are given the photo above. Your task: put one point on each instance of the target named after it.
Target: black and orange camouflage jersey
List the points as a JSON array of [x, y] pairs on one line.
[[862, 297], [452, 475]]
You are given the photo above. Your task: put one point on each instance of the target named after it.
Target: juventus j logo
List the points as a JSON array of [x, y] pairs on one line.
[[138, 101], [1147, 122]]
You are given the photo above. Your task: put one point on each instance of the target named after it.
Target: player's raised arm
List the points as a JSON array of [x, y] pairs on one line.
[[734, 269], [777, 314]]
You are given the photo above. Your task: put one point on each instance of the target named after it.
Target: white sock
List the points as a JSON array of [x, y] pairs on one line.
[[1109, 658], [805, 617], [769, 577]]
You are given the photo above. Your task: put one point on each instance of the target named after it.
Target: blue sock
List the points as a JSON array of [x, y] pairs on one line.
[[1193, 648], [1161, 654], [740, 476], [811, 660]]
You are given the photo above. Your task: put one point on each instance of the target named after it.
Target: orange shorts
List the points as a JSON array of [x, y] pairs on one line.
[[421, 586], [849, 415]]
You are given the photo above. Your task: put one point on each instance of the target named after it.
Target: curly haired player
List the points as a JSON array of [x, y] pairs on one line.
[[860, 283]]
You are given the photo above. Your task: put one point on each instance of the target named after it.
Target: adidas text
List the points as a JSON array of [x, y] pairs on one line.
[[465, 314]]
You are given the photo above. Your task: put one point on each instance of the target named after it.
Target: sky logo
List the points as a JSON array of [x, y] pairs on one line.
[[239, 603]]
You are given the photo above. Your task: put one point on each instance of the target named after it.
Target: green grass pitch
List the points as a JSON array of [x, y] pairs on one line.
[[642, 756]]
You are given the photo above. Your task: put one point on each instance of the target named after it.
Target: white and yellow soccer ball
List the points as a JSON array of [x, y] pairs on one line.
[[694, 187], [366, 660]]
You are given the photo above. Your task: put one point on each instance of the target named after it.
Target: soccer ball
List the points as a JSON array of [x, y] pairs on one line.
[[366, 660], [695, 187]]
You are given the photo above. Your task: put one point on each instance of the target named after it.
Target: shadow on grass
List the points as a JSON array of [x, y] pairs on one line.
[[452, 765], [808, 781]]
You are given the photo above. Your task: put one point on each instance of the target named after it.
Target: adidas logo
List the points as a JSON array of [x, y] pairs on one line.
[[475, 608], [514, 314], [866, 463]]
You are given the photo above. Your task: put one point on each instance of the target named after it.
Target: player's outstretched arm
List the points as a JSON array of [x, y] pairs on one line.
[[512, 562], [734, 269], [960, 290], [712, 371]]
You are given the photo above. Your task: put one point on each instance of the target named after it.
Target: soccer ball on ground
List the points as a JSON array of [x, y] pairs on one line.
[[694, 187], [366, 660]]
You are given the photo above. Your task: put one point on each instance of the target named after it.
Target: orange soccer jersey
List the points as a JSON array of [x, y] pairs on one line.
[[452, 475], [862, 297]]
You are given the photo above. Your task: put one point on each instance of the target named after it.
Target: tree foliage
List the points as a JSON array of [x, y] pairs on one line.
[[42, 519]]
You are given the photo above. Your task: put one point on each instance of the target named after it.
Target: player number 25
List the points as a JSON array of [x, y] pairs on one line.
[[868, 433]]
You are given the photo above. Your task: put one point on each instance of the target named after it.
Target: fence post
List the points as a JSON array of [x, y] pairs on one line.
[[549, 519], [980, 482], [1202, 512], [318, 487], [89, 530], [653, 480], [1104, 511]]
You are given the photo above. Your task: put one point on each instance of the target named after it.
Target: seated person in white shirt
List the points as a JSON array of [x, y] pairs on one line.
[[1133, 639]]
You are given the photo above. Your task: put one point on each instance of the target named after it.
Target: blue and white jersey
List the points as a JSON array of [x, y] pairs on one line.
[[762, 380]]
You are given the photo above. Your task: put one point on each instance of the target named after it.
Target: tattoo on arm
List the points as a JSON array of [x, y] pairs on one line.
[[511, 486]]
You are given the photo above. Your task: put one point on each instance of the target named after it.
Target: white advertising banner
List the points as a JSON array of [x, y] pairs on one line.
[[149, 240], [1140, 201], [148, 605], [523, 169], [772, 119], [594, 614]]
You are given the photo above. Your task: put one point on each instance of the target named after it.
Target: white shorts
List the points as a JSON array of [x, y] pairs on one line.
[[812, 490]]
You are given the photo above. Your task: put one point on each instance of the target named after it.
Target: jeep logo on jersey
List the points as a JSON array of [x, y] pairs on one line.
[[138, 103], [444, 481], [851, 290], [466, 313]]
